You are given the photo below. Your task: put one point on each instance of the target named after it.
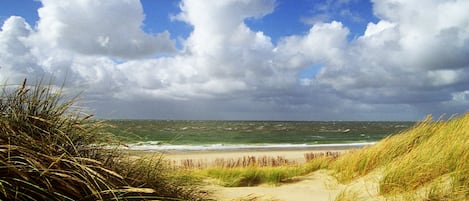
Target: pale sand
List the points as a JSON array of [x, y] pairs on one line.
[[294, 155], [318, 186], [208, 157]]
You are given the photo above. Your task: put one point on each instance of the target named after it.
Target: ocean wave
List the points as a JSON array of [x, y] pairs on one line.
[[219, 147]]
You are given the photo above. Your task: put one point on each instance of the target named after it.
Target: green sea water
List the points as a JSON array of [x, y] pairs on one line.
[[148, 134]]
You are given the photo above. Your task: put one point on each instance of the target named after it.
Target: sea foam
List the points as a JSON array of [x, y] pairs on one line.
[[220, 147]]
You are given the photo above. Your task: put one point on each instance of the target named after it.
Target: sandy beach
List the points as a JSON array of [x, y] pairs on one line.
[[318, 185], [291, 155], [296, 155]]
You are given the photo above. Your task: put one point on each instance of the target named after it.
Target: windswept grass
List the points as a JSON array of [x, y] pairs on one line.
[[429, 161], [51, 150], [264, 170], [433, 155], [348, 195], [253, 176], [241, 162], [156, 173]]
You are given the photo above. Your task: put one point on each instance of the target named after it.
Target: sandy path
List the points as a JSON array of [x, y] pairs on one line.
[[318, 186]]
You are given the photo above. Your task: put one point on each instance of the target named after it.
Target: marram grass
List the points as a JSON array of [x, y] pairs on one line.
[[252, 176], [432, 157], [256, 174], [51, 150]]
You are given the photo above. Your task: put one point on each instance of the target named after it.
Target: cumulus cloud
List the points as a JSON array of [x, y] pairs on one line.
[[222, 56], [324, 43], [108, 28], [16, 60], [417, 52], [415, 58]]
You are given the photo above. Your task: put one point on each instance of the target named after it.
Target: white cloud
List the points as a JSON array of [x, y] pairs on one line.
[[414, 59], [16, 61], [324, 43], [222, 52], [377, 29], [416, 53], [108, 28]]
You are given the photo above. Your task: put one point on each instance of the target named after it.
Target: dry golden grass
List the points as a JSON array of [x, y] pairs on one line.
[[252, 171], [51, 150], [253, 161], [328, 154], [416, 159], [240, 162]]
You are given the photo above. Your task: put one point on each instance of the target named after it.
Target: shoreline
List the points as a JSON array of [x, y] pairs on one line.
[[243, 147], [318, 185], [209, 156]]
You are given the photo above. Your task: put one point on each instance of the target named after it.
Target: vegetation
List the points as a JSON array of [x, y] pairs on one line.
[[432, 157], [234, 177], [164, 181], [273, 171], [51, 150], [429, 161]]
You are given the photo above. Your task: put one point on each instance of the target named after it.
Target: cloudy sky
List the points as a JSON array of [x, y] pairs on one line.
[[245, 59]]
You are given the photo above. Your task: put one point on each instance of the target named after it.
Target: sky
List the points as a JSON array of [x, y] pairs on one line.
[[244, 59]]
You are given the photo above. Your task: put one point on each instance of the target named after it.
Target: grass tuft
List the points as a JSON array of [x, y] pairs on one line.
[[253, 176], [264, 170], [156, 173], [415, 159], [51, 150]]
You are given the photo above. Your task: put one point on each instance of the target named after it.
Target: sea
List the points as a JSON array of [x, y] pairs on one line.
[[172, 135]]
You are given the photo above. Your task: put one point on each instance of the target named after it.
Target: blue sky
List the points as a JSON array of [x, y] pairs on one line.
[[245, 59], [25, 8], [289, 18]]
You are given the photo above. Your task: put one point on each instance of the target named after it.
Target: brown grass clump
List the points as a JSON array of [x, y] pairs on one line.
[[252, 171], [156, 173], [252, 161], [50, 150], [240, 162], [189, 164], [317, 155]]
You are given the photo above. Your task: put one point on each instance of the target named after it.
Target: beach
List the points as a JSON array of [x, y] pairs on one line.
[[319, 185], [198, 145], [294, 154], [205, 144]]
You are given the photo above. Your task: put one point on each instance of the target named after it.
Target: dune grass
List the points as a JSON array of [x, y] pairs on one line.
[[432, 157], [252, 176], [51, 150], [429, 161], [166, 182], [267, 172]]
